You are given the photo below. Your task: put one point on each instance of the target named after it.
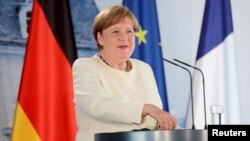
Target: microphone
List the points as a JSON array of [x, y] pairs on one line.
[[191, 87], [203, 84]]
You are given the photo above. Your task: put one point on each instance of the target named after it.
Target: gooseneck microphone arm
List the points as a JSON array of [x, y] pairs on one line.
[[191, 88], [203, 82]]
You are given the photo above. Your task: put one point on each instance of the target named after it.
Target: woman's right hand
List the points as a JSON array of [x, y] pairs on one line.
[[165, 120]]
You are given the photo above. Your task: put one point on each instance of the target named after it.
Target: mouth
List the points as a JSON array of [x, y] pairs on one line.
[[123, 46]]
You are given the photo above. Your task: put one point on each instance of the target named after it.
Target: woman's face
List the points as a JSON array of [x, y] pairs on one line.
[[118, 41]]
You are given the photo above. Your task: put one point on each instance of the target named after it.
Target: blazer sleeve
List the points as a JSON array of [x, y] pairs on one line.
[[91, 99], [156, 94]]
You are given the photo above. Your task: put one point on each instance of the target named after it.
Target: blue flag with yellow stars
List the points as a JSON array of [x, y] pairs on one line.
[[148, 47]]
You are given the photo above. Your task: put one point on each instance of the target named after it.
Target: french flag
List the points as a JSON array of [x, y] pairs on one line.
[[216, 58]]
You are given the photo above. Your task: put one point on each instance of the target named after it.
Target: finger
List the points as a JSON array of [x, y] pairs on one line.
[[171, 124], [162, 125], [167, 124], [174, 122]]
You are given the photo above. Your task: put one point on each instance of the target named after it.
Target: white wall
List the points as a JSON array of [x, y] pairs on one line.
[[179, 29], [240, 9], [180, 24]]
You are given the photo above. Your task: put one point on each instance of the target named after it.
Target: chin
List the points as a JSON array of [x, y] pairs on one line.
[[124, 58]]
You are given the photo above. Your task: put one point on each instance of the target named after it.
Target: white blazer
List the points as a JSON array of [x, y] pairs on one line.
[[111, 100]]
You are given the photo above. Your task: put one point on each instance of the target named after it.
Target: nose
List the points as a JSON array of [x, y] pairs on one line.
[[123, 36]]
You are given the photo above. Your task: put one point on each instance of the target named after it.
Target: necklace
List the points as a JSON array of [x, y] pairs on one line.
[[128, 65]]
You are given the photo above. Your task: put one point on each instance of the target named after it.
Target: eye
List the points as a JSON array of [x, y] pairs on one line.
[[115, 32], [130, 32]]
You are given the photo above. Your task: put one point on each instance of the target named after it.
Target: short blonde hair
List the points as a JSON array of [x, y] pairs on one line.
[[111, 16]]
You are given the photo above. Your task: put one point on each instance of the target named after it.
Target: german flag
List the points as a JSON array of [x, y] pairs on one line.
[[45, 109]]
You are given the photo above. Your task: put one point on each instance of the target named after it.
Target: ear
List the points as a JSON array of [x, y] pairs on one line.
[[99, 38]]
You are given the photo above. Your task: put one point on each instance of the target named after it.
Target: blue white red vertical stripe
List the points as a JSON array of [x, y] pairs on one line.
[[216, 57]]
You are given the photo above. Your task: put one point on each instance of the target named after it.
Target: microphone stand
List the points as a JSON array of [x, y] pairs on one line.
[[203, 82], [191, 88]]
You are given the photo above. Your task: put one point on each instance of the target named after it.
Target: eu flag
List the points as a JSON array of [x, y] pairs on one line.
[[148, 47]]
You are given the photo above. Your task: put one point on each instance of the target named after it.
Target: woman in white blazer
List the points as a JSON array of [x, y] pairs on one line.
[[114, 92]]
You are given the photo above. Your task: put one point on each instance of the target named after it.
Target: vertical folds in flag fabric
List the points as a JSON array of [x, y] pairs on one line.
[[45, 109], [216, 58], [148, 47]]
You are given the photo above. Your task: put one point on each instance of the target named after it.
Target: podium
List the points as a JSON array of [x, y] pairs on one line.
[[167, 135]]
